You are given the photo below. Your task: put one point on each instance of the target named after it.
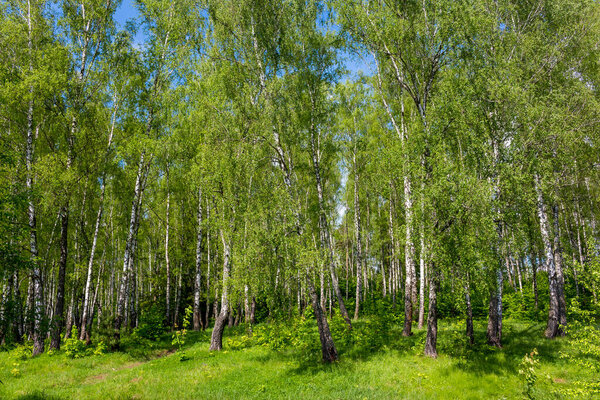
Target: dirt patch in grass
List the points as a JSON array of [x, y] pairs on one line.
[[164, 353], [131, 365], [95, 378]]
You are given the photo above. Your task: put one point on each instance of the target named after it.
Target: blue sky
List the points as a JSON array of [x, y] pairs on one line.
[[127, 10]]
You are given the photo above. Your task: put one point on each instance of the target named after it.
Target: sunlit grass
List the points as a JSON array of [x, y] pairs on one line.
[[396, 371]]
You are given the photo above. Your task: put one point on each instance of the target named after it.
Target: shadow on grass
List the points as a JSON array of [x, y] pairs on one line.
[[37, 396], [518, 339], [479, 359]]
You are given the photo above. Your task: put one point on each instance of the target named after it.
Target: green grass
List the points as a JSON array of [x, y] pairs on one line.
[[397, 370]]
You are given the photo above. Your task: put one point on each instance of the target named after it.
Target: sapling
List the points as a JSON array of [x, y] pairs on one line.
[[179, 335]]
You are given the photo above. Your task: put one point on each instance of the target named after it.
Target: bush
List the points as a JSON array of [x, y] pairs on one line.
[[179, 336], [23, 351], [151, 325], [584, 341], [527, 370], [75, 348]]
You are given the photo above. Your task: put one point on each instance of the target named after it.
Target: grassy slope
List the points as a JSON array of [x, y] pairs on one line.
[[398, 371]]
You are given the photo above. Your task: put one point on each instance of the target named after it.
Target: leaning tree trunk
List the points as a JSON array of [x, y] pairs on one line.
[[197, 317], [552, 328], [431, 338], [328, 350], [216, 340]]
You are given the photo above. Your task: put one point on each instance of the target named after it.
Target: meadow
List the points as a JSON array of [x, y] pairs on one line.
[[255, 368]]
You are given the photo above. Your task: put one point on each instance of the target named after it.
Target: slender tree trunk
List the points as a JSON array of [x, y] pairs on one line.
[[167, 260], [325, 238], [178, 295], [469, 322], [129, 245], [422, 257], [216, 340], [88, 284], [393, 259], [534, 266], [560, 278], [57, 322], [357, 237], [36, 274], [18, 328], [552, 328], [197, 317], [494, 328], [431, 338], [207, 267], [328, 350], [409, 260]]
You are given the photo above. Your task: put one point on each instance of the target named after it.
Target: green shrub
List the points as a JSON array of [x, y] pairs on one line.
[[178, 337], [101, 348], [584, 343], [151, 325], [527, 370], [22, 351], [75, 348]]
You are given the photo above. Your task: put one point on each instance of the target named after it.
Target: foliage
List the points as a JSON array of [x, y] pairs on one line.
[[22, 351], [527, 370], [179, 336], [75, 348], [151, 324], [584, 342]]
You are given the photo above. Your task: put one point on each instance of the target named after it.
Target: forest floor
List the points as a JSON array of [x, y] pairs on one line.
[[395, 371]]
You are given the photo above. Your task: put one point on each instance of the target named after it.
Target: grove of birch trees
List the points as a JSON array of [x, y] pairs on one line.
[[230, 162]]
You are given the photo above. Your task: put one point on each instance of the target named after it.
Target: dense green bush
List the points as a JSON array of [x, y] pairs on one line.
[[75, 348], [583, 330], [521, 306], [151, 324]]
